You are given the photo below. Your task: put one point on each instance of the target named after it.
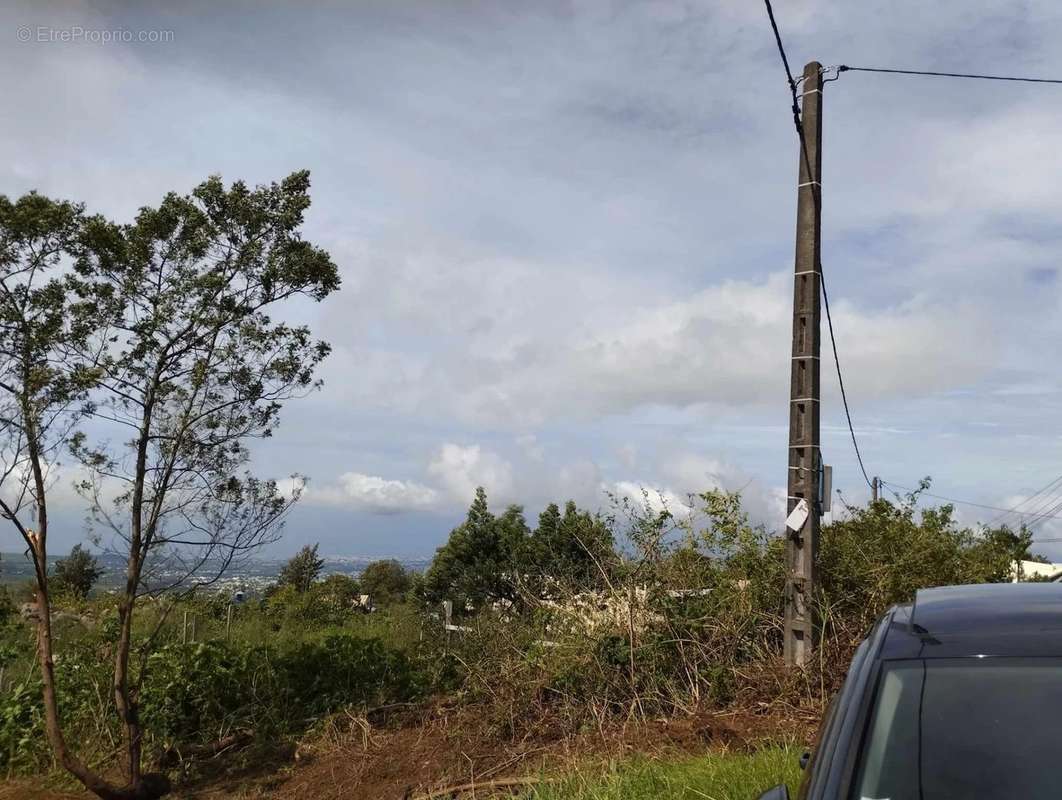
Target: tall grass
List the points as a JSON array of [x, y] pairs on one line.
[[722, 776]]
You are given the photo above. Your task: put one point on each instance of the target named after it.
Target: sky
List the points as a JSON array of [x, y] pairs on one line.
[[565, 232]]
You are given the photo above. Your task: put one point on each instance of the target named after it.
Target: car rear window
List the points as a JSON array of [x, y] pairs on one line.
[[973, 727]]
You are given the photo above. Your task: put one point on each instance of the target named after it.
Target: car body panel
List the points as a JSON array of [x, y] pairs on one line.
[[979, 621]]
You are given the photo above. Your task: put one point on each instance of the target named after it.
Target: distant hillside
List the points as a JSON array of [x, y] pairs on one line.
[[251, 573]]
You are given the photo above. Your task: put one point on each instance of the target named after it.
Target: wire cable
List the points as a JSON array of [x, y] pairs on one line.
[[846, 68], [785, 63], [818, 202], [1028, 499], [1042, 507], [1051, 515], [1045, 515], [840, 379]]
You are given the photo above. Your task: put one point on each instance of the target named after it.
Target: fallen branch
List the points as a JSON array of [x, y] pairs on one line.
[[173, 755], [389, 707], [500, 783]]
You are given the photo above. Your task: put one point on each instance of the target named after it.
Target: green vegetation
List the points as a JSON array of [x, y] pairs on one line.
[[76, 574], [491, 559], [274, 675], [720, 776], [161, 332], [386, 582], [302, 570], [685, 616]]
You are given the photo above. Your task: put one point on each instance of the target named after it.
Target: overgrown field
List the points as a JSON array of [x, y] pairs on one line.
[[642, 616]]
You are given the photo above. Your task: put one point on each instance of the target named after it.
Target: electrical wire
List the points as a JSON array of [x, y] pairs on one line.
[[846, 68], [818, 202], [1046, 515], [1051, 515], [1028, 499], [1045, 506], [840, 379], [785, 63]]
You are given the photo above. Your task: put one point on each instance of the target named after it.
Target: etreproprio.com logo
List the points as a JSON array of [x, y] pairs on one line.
[[77, 34]]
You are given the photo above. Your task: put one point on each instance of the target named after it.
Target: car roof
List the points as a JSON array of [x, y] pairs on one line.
[[993, 619]]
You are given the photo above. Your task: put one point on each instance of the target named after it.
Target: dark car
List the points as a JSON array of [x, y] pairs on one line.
[[956, 695]]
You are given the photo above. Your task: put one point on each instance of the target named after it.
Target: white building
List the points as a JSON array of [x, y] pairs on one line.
[[1024, 570]]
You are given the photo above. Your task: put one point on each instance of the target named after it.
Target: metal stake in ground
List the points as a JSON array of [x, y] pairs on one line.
[[804, 456]]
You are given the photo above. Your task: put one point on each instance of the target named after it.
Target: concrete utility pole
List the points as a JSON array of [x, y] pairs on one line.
[[802, 528], [874, 489]]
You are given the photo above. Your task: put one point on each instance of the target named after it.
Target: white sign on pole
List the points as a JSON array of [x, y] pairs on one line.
[[798, 516]]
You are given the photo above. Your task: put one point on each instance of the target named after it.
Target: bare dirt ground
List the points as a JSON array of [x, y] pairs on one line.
[[410, 753]]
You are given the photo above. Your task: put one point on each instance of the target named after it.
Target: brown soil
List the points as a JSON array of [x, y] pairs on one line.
[[410, 753]]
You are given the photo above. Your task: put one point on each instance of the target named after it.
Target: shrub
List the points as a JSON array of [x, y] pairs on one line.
[[385, 581], [76, 574], [200, 691], [342, 670], [22, 742]]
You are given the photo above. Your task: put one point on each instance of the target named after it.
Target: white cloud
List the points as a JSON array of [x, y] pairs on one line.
[[374, 494], [726, 346], [618, 264], [640, 495], [460, 469]]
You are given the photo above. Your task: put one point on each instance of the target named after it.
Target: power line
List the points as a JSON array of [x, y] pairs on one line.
[[785, 61], [1044, 506], [818, 200], [1045, 515], [840, 380], [1042, 517], [1028, 499], [846, 68]]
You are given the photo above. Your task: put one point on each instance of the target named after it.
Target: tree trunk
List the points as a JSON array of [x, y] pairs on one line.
[[148, 787]]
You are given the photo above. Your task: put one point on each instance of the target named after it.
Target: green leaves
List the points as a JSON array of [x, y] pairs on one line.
[[492, 558], [200, 691], [385, 581], [302, 570], [481, 561], [76, 574]]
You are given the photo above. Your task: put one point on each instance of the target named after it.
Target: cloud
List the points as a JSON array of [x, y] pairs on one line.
[[726, 345], [585, 267], [655, 500], [461, 469], [356, 490]]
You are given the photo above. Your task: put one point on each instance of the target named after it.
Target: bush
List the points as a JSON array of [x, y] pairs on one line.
[[343, 670], [385, 582], [325, 603], [719, 639], [22, 743], [201, 691], [76, 574], [198, 692]]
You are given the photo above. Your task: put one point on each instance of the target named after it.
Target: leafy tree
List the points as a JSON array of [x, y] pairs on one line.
[[884, 553], [161, 331], [44, 387], [385, 581], [338, 592], [302, 570], [574, 550], [76, 574], [481, 561]]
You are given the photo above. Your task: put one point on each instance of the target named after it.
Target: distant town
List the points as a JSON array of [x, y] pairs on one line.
[[250, 575]]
